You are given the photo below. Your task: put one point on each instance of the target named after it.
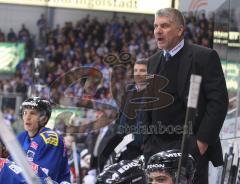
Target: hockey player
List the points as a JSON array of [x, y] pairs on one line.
[[11, 173], [124, 172], [162, 167], [42, 145]]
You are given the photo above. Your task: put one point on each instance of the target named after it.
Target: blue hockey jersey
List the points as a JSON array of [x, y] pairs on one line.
[[10, 173], [47, 150]]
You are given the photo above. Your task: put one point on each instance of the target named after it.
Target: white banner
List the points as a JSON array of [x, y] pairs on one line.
[[131, 6]]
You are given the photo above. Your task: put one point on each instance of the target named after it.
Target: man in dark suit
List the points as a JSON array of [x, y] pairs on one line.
[[109, 137], [177, 60], [134, 149]]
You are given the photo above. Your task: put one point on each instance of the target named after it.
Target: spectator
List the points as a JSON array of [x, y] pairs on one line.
[[12, 37], [24, 33], [69, 140], [42, 27], [2, 36]]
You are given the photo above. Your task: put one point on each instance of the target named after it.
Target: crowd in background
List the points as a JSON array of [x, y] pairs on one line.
[[86, 44]]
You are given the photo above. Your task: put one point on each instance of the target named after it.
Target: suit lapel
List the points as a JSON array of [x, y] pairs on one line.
[[184, 68], [153, 67]]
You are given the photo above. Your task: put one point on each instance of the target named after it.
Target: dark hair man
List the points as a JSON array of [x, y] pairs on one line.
[[42, 145], [162, 167]]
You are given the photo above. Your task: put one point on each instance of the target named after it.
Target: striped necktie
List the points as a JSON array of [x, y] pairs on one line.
[[167, 56]]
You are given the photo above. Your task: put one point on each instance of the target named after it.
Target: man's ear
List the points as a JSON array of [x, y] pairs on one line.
[[181, 31]]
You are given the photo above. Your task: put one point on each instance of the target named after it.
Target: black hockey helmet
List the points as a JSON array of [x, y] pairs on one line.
[[124, 172], [167, 161], [40, 104]]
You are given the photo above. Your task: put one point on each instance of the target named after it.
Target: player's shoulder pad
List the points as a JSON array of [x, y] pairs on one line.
[[50, 137]]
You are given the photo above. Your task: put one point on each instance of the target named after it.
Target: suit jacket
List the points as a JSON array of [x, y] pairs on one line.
[[213, 96]]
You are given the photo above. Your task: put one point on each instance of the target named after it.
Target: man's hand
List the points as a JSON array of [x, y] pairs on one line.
[[202, 146]]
